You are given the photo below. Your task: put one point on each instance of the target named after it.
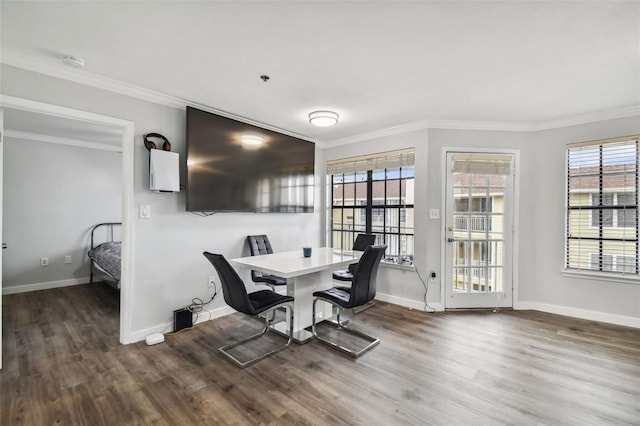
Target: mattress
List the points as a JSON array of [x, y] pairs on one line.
[[108, 257]]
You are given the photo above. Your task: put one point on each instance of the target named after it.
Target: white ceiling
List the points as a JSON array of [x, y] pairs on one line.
[[380, 65]]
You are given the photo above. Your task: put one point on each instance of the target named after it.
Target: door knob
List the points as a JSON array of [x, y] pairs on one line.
[[451, 240], [4, 246]]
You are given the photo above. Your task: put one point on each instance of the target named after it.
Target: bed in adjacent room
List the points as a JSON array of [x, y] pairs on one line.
[[105, 253]]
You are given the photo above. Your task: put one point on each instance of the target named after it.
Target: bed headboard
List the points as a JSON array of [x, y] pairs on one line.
[[104, 229]]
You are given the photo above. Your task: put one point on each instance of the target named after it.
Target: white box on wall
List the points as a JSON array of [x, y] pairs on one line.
[[164, 171]]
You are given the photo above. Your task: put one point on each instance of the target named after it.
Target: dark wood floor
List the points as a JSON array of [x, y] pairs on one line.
[[63, 365]]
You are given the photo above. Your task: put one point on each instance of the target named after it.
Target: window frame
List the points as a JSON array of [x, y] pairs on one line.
[[384, 234], [600, 273]]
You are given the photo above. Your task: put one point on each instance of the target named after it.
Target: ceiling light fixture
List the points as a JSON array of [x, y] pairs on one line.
[[251, 140], [323, 118], [73, 62]]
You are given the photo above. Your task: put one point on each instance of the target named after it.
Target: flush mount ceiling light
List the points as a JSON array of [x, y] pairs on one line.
[[251, 140], [73, 62], [323, 118]]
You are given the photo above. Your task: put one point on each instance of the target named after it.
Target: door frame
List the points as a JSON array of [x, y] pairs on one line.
[[515, 223], [126, 305]]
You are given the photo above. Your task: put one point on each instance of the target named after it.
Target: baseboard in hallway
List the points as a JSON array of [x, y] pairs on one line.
[[24, 288]]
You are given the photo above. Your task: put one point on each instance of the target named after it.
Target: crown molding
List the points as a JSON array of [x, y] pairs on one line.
[[593, 117], [53, 68], [376, 134], [436, 124], [37, 137]]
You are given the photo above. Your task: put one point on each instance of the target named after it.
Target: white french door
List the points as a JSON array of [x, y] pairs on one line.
[[479, 230]]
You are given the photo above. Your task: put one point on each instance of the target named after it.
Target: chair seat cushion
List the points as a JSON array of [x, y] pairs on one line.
[[266, 299], [271, 279], [337, 295]]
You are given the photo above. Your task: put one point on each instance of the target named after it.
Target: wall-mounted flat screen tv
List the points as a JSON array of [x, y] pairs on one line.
[[238, 167]]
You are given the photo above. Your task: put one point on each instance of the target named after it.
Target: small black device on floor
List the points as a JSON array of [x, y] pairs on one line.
[[182, 318]]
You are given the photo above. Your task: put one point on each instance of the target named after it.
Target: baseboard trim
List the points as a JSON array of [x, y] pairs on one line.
[[25, 288], [581, 313], [413, 304], [140, 335]]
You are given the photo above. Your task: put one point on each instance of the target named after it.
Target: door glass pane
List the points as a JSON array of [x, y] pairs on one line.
[[495, 253], [460, 281], [478, 218], [496, 279], [459, 253]]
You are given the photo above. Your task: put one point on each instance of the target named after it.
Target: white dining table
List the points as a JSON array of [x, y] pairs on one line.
[[304, 276]]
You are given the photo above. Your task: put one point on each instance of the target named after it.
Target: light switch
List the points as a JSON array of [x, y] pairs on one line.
[[434, 214], [145, 212]]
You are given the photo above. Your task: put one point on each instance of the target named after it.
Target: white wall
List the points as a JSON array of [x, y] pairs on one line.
[[395, 284], [53, 195], [168, 268], [545, 285], [539, 282]]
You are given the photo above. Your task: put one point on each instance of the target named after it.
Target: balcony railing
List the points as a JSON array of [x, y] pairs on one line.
[[478, 269], [478, 223]]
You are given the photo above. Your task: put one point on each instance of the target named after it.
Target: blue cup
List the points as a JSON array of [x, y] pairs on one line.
[[306, 251]]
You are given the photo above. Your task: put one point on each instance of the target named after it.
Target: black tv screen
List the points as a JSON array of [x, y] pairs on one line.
[[227, 171]]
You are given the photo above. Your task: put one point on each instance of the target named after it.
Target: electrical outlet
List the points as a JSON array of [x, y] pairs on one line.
[[212, 281], [67, 259], [44, 261]]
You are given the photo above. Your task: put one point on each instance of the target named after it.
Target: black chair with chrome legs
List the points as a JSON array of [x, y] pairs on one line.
[[258, 245], [360, 244], [254, 304], [362, 290]]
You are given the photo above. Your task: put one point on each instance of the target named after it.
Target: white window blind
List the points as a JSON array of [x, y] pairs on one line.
[[482, 164], [602, 206], [381, 161]]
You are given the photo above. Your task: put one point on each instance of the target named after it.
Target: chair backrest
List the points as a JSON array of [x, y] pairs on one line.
[[233, 289], [363, 241], [258, 244], [363, 284]]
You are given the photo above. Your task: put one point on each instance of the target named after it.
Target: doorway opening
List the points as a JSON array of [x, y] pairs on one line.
[[83, 123]]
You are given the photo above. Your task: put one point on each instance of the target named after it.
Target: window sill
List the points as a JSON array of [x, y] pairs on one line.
[[403, 266], [599, 276]]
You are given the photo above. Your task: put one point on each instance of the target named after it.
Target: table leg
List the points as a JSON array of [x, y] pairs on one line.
[[302, 288]]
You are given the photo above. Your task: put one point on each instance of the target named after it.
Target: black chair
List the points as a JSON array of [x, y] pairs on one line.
[[259, 244], [263, 301], [362, 290], [360, 244]]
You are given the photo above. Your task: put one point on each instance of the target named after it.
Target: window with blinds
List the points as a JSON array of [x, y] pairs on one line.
[[602, 206], [373, 194]]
